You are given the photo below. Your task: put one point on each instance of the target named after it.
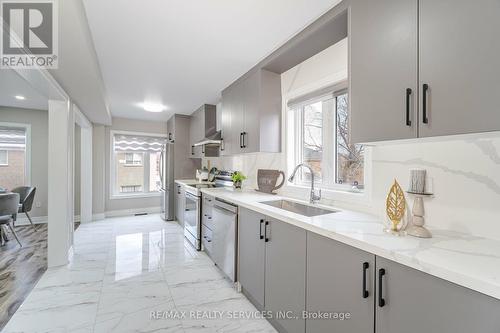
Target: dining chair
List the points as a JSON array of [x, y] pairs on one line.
[[9, 206], [26, 198]]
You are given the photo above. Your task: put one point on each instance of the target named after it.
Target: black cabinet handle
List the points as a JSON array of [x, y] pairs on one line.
[[408, 95], [265, 232], [425, 87], [260, 229], [222, 144], [365, 290], [381, 300], [192, 150], [244, 135], [170, 136]]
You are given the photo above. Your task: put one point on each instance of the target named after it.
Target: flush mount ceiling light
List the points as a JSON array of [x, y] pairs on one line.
[[152, 107], [19, 97]]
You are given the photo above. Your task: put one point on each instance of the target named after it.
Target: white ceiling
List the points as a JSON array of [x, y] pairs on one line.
[[182, 53], [11, 84]]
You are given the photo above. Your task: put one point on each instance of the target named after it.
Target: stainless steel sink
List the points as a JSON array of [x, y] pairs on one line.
[[298, 208]]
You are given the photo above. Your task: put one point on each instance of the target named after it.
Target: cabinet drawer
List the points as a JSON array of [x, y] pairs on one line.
[[206, 240]]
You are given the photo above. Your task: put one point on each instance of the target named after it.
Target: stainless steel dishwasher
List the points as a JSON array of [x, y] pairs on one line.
[[225, 219]]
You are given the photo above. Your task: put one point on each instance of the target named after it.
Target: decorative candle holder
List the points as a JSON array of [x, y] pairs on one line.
[[416, 228]]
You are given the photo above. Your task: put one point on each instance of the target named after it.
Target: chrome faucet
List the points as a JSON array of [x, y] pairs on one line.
[[313, 196]]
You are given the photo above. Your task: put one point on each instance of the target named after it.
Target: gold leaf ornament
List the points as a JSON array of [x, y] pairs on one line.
[[395, 205]]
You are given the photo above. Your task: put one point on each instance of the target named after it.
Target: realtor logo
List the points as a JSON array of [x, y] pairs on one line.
[[29, 34]]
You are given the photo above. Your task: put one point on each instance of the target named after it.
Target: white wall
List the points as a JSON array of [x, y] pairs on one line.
[[39, 150], [464, 172]]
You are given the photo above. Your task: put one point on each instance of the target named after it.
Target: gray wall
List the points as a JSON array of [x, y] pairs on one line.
[[39, 150], [77, 176], [122, 124]]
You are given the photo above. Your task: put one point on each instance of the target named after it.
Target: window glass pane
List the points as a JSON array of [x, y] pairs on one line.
[[350, 157], [129, 174], [12, 157], [4, 157], [154, 172], [312, 147]]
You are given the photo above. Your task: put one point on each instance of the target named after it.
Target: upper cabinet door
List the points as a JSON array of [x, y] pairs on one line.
[[460, 64], [383, 66]]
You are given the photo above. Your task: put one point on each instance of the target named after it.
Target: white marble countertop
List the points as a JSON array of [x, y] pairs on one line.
[[466, 260], [191, 181]]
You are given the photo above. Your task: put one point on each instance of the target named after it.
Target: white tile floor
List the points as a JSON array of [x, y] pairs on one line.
[[123, 270]]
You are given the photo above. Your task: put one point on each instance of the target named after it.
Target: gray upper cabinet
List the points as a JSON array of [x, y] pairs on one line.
[[456, 61], [251, 255], [251, 114], [417, 302], [340, 278], [460, 62], [383, 65], [285, 275], [203, 120], [196, 132]]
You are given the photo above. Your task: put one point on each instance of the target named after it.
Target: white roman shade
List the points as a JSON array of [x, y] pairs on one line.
[[136, 143], [12, 138]]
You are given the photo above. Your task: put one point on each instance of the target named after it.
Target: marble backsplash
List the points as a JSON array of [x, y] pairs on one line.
[[463, 174]]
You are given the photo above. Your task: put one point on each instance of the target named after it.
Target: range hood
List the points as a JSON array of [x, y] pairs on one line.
[[210, 139], [208, 114]]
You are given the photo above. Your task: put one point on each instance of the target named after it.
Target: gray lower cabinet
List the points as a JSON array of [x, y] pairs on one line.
[[417, 302], [251, 255], [340, 280], [179, 203], [285, 276]]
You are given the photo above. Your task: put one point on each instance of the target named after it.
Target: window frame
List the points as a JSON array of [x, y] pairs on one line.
[[297, 142], [27, 150], [145, 163]]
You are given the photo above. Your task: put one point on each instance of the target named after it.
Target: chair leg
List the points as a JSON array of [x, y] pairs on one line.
[[15, 235], [29, 218], [2, 240]]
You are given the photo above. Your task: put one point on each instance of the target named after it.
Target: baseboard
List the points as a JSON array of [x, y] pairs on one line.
[[98, 217], [23, 220], [133, 211]]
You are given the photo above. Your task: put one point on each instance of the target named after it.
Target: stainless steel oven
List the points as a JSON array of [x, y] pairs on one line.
[[192, 220]]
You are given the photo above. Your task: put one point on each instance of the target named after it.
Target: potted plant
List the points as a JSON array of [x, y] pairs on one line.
[[237, 179]]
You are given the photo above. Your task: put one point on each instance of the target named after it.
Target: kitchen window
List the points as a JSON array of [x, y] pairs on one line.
[[14, 155], [319, 130], [135, 164]]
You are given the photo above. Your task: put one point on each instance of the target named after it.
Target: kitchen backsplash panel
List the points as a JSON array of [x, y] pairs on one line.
[[248, 164], [464, 176]]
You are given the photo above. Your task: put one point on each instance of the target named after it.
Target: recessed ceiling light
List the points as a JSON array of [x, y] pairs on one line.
[[19, 97], [152, 107]]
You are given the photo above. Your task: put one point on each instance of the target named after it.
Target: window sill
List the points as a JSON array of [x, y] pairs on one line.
[[341, 190], [135, 196]]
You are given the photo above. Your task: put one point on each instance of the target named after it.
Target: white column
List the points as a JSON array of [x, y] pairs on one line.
[[60, 189], [86, 175]]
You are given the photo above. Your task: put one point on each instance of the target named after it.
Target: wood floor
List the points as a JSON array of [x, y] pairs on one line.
[[21, 267]]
